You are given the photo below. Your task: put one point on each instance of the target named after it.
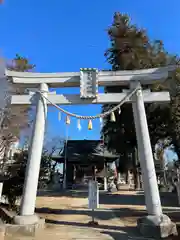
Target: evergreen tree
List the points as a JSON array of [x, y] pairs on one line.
[[131, 49], [173, 86]]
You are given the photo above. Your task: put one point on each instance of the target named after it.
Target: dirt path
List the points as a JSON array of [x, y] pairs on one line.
[[67, 216], [70, 217]]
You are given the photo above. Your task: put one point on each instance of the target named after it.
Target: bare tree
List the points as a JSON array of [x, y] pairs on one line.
[[51, 148], [12, 118]]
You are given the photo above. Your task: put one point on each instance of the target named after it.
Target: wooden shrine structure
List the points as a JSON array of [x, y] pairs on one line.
[[82, 156]]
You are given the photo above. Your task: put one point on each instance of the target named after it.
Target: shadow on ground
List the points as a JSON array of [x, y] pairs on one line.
[[121, 212], [116, 232], [107, 214], [98, 214], [167, 199], [116, 235], [105, 229], [80, 193]]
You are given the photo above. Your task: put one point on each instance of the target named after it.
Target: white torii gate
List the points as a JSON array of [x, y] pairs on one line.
[[133, 79]]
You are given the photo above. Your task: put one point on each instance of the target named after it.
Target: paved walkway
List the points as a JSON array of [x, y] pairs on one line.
[[67, 216], [73, 224]]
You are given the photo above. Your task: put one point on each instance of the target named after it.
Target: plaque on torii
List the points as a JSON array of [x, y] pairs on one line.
[[88, 83]]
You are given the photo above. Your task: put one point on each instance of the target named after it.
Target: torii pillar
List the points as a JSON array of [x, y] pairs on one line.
[[28, 201], [156, 223]]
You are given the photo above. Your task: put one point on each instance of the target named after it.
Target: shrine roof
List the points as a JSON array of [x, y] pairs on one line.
[[77, 150]]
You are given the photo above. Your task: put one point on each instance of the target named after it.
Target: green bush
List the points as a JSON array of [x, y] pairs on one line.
[[13, 185]]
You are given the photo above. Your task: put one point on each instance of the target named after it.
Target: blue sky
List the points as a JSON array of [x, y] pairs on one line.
[[169, 155], [65, 35]]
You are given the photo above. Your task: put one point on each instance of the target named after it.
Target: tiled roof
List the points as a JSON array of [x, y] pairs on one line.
[[77, 149]]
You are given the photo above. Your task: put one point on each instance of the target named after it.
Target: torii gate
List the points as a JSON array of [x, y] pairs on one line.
[[88, 80]]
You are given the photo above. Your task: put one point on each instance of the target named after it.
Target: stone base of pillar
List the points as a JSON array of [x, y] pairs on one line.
[[23, 227], [155, 227], [26, 220]]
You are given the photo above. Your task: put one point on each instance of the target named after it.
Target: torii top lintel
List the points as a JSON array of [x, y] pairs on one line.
[[105, 78]]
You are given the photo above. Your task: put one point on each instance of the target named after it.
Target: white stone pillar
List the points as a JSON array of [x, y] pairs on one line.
[[151, 190], [119, 178], [1, 189], [105, 177], [34, 158], [105, 184]]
